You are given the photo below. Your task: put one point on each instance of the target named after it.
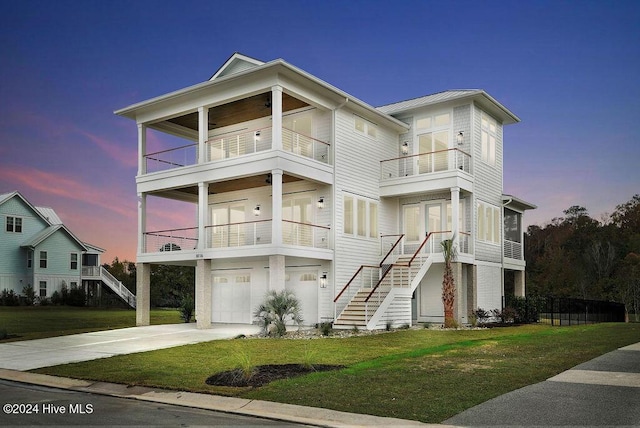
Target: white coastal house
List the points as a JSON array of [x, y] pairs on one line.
[[298, 185], [37, 250]]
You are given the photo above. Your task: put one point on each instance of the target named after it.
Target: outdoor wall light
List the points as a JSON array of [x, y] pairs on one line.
[[256, 210], [460, 137], [321, 202], [256, 135], [405, 148], [323, 280]]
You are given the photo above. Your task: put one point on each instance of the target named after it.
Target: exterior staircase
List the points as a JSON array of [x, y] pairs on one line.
[[117, 287], [378, 296]]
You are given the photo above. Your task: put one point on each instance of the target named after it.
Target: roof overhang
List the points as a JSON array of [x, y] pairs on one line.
[[517, 204], [254, 80]]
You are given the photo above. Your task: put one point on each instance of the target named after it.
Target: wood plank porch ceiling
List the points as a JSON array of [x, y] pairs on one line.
[[239, 111], [237, 184]]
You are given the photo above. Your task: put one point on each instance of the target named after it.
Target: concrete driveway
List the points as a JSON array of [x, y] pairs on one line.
[[32, 354]]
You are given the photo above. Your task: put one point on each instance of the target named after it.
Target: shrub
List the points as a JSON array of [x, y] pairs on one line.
[[186, 308], [76, 297], [56, 298], [29, 295], [481, 315], [3, 333], [506, 315], [326, 328], [9, 298], [278, 309]]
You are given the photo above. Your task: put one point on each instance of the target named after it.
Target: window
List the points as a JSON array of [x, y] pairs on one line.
[[360, 217], [489, 133], [488, 223], [365, 127], [348, 215], [512, 226], [43, 289], [29, 259], [43, 259], [74, 261], [14, 224]]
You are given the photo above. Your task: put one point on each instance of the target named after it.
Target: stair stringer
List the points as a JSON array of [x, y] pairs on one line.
[[399, 299]]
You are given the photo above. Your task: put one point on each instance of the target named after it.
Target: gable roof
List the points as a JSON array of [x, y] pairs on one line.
[[49, 231], [49, 214], [7, 196], [236, 63], [478, 95]]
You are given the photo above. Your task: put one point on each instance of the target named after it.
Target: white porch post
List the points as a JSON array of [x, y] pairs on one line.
[[455, 216], [276, 206], [203, 133], [142, 221], [142, 149], [203, 214], [276, 117], [519, 283], [143, 293], [203, 293]]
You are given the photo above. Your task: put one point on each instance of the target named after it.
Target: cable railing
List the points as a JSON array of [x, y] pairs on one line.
[[305, 234], [241, 234], [425, 163], [306, 146], [238, 144], [177, 157], [171, 240]]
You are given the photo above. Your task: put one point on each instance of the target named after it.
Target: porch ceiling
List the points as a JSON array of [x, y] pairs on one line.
[[239, 111], [233, 185]]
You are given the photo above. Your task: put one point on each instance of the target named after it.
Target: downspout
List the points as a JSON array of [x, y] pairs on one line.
[[335, 200]]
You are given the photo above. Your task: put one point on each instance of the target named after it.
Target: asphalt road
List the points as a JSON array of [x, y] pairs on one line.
[[35, 405]]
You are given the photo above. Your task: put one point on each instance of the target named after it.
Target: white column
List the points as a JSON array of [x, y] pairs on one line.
[[203, 214], [203, 294], [203, 133], [276, 117], [276, 206], [519, 283], [142, 149], [142, 221], [143, 293], [455, 215]]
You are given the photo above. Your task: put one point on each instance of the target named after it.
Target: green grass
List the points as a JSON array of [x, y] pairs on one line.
[[37, 322], [420, 374]]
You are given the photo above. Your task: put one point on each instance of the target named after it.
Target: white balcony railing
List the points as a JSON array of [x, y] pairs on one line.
[[513, 250], [237, 144], [244, 234], [425, 163]]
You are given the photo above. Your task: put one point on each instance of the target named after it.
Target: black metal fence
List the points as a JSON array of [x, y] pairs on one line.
[[566, 311]]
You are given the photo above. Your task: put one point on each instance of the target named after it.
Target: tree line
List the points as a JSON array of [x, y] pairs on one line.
[[581, 257]]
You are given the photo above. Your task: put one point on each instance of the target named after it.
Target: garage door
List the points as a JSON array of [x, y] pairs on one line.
[[304, 284], [231, 298]]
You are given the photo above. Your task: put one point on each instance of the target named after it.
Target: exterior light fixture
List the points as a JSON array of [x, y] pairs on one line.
[[256, 135], [405, 148], [460, 137], [321, 202], [323, 280], [256, 211]]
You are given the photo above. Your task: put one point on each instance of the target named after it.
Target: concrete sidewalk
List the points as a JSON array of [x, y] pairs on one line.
[[33, 354]]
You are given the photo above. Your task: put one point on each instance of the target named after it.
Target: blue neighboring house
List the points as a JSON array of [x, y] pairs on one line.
[[38, 250]]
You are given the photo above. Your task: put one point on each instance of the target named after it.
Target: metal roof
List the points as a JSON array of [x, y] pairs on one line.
[[50, 215]]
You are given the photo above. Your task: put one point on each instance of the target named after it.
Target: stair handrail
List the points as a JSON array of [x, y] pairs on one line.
[[403, 265], [393, 247], [122, 290]]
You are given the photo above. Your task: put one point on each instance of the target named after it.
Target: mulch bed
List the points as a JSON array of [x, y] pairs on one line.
[[267, 373]]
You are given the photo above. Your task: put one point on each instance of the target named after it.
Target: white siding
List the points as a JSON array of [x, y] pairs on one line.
[[489, 287]]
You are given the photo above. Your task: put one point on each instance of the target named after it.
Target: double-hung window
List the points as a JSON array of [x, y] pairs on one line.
[[488, 223], [43, 259], [14, 224], [489, 137], [74, 261]]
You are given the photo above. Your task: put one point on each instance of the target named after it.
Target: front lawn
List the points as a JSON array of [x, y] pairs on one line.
[[37, 322], [425, 375]]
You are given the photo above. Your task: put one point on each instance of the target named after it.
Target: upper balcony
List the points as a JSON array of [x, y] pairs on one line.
[[426, 172], [236, 145]]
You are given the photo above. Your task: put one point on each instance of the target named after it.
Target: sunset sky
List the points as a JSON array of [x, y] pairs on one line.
[[569, 69]]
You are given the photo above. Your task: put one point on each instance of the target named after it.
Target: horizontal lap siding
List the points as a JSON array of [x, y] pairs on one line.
[[357, 166], [13, 259], [488, 186]]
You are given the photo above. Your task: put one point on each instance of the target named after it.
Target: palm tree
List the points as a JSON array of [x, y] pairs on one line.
[[277, 309], [450, 253]]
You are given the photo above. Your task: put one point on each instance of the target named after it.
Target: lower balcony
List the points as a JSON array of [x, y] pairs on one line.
[[252, 234]]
